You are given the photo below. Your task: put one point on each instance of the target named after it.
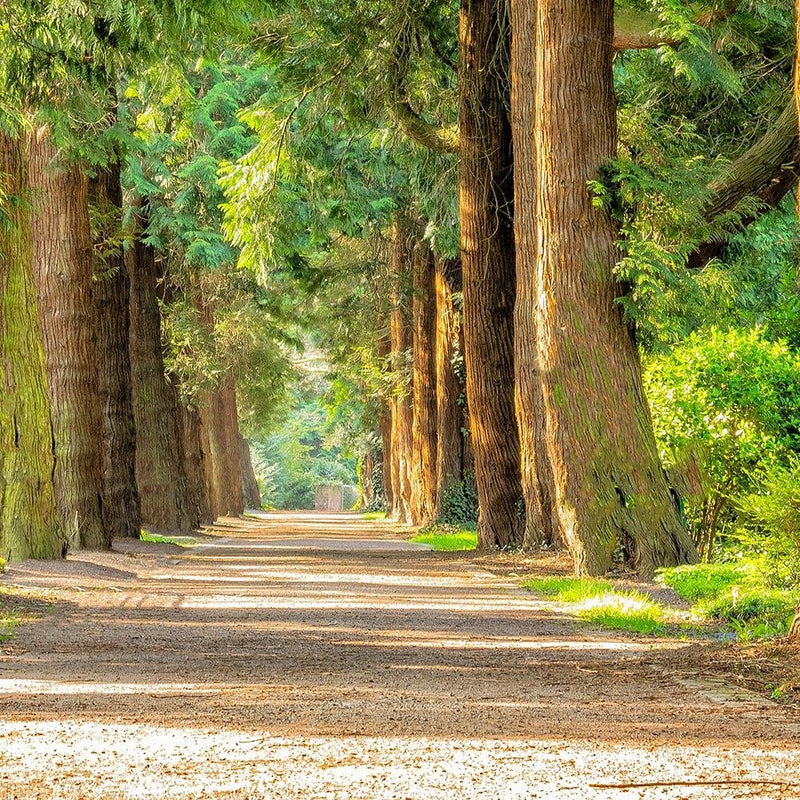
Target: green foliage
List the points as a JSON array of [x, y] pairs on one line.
[[157, 538], [625, 611], [702, 581], [447, 538], [459, 504], [728, 403], [772, 515]]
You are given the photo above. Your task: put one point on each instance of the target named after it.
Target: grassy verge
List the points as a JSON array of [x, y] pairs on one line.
[[448, 538], [374, 515], [180, 541], [597, 601], [736, 595]]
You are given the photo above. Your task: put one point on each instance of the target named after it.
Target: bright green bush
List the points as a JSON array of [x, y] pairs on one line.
[[700, 581], [726, 409]]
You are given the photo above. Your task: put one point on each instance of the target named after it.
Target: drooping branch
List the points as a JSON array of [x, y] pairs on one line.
[[767, 171], [633, 30], [439, 138]]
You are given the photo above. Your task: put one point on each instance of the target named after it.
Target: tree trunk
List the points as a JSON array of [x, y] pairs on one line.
[[488, 262], [537, 479], [402, 414], [195, 454], [225, 451], [423, 499], [121, 512], [611, 503], [250, 490], [62, 265], [206, 425], [794, 631], [160, 472], [30, 524], [449, 413], [384, 352]]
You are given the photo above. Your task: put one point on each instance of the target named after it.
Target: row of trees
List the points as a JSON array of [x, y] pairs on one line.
[[99, 434]]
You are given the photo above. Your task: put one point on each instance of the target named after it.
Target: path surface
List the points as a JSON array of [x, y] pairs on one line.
[[323, 656]]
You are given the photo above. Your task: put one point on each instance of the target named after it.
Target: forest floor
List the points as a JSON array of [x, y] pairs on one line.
[[314, 656]]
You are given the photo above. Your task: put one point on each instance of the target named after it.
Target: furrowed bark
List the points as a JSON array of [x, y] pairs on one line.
[[62, 260], [488, 262], [401, 343], [195, 454], [611, 502], [449, 414], [225, 450], [537, 478], [30, 523], [250, 490], [384, 350], [423, 499], [121, 512], [160, 473]]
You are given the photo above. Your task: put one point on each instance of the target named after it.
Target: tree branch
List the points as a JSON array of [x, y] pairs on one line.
[[767, 171], [632, 31]]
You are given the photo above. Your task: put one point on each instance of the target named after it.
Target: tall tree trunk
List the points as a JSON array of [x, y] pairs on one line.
[[384, 352], [449, 413], [160, 470], [195, 454], [30, 523], [537, 480], [423, 499], [611, 502], [121, 512], [206, 425], [62, 261], [250, 490], [487, 253], [225, 451], [402, 340]]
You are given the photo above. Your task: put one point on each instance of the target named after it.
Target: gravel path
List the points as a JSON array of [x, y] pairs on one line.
[[322, 656]]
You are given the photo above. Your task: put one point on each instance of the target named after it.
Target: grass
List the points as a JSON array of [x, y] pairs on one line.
[[735, 595], [375, 515], [8, 622], [597, 602], [157, 538], [448, 538]]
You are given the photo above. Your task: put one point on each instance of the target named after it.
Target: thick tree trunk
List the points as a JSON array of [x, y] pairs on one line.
[[30, 523], [223, 432], [611, 503], [62, 262], [423, 500], [402, 414], [160, 472], [195, 454], [449, 413], [384, 353], [794, 631], [487, 253], [537, 479], [206, 424], [250, 490], [121, 512]]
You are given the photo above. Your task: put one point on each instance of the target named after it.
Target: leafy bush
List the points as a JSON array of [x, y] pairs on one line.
[[773, 513], [700, 581], [726, 409], [459, 505]]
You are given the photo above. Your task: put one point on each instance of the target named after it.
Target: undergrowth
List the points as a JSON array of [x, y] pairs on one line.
[[157, 538], [448, 537]]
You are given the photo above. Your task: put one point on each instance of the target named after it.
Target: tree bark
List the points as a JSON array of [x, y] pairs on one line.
[[195, 455], [62, 262], [206, 424], [537, 478], [384, 352], [121, 511], [424, 402], [488, 262], [160, 471], [402, 341], [449, 413], [611, 502], [794, 630], [30, 523], [223, 431], [250, 491]]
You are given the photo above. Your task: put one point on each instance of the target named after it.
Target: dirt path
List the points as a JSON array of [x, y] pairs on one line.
[[314, 656]]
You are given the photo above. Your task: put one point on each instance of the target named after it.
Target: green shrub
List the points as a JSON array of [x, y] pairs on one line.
[[726, 409], [459, 504]]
